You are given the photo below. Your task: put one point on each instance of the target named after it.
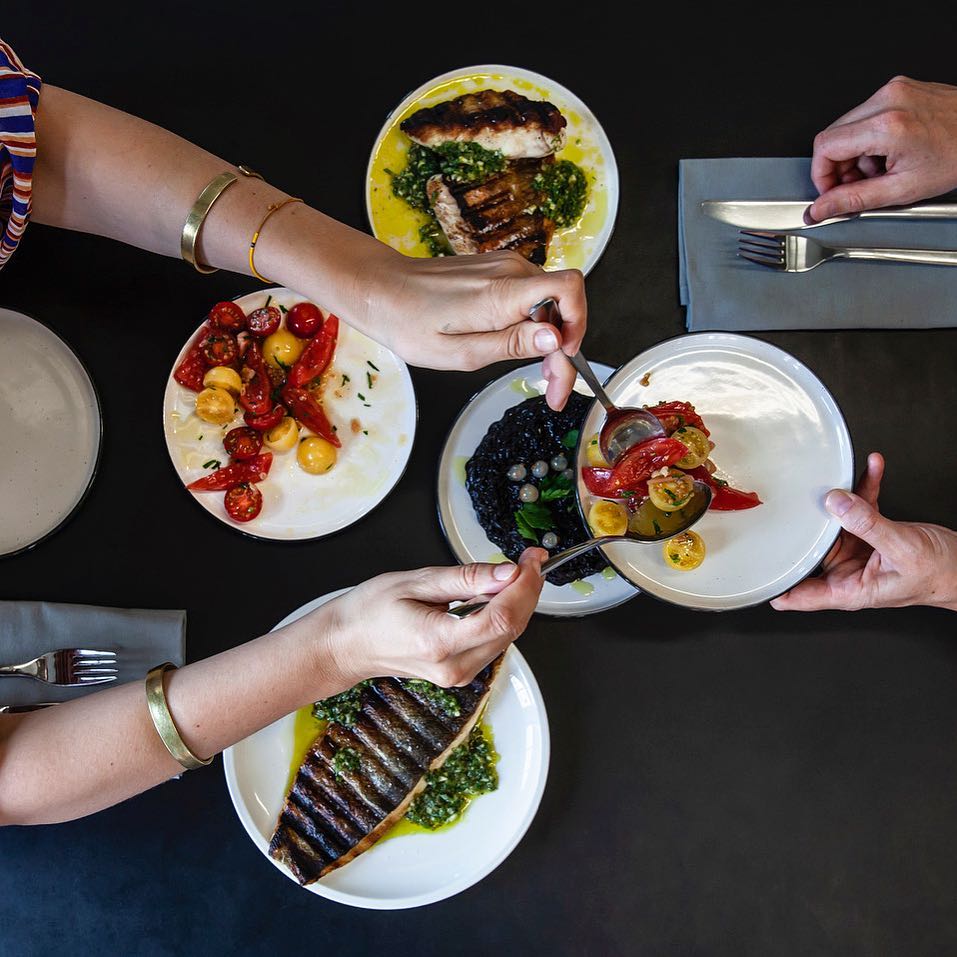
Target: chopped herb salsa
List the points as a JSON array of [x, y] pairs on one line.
[[436, 695], [468, 772], [564, 189], [346, 759], [343, 708]]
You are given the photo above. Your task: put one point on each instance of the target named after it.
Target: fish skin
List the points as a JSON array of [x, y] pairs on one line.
[[329, 819]]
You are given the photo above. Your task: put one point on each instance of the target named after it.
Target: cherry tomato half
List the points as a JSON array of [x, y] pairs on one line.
[[220, 349], [304, 320], [264, 321], [243, 443], [244, 502], [227, 316], [266, 421]]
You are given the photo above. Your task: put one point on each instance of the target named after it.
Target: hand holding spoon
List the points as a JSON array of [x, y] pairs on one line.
[[623, 428], [648, 524]]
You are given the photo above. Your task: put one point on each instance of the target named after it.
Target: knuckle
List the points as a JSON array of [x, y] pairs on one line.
[[448, 675], [862, 522], [515, 343], [854, 202], [895, 123]]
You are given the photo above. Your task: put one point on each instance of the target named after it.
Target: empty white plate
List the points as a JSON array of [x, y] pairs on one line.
[[777, 431], [412, 869], [50, 432]]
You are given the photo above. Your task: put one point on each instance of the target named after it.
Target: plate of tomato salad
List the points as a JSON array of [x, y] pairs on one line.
[[758, 427], [283, 421]]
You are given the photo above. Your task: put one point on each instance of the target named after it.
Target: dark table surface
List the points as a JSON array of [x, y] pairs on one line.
[[745, 783]]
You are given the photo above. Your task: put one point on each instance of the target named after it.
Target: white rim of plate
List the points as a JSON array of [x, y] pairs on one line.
[[258, 536], [83, 374], [514, 661], [628, 370], [604, 144], [558, 601]]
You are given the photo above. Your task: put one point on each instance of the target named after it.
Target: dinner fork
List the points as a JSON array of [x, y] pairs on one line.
[[68, 666], [789, 253]]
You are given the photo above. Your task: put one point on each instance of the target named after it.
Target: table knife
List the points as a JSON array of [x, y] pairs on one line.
[[777, 214], [24, 708]]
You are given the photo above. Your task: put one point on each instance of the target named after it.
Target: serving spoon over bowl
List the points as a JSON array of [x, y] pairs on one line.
[[624, 428], [649, 524]]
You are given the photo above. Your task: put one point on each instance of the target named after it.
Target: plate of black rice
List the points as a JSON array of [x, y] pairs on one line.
[[490, 457]]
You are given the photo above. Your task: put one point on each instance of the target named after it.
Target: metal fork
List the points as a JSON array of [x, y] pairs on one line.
[[68, 666], [789, 253]]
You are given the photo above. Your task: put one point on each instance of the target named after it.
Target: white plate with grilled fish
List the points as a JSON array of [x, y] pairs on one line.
[[409, 869], [776, 430], [469, 540], [537, 128]]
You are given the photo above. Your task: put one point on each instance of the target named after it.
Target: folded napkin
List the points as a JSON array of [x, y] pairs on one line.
[[140, 638], [723, 291]]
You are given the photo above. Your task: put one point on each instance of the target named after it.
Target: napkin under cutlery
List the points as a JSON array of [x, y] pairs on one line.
[[722, 291], [141, 639]]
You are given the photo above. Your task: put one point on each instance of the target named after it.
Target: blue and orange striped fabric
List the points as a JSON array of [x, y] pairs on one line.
[[19, 94]]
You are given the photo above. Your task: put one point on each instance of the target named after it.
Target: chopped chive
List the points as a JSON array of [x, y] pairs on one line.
[[212, 464], [365, 431], [361, 396], [371, 363], [268, 300], [283, 309], [369, 379], [654, 522]]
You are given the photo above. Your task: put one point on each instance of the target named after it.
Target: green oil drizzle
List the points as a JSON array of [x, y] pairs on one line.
[[522, 387], [458, 468], [609, 573], [583, 587]]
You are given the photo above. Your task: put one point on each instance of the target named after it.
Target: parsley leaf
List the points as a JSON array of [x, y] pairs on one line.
[[570, 440]]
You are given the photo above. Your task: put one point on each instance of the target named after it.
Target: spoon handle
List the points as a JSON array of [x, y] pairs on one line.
[[463, 611], [547, 311]]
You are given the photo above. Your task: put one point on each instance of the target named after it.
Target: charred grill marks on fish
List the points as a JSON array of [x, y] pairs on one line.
[[507, 121], [500, 213], [332, 815]]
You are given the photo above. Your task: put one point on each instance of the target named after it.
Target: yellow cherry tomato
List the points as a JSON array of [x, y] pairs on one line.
[[699, 446], [222, 377], [316, 456], [608, 518], [282, 348], [684, 551], [283, 437], [593, 454], [215, 406], [670, 492]]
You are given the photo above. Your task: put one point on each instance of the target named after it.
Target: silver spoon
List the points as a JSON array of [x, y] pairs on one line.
[[623, 428], [663, 525]]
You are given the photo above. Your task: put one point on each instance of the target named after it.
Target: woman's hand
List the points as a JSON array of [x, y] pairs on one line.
[[397, 624], [894, 149], [466, 312], [878, 563]]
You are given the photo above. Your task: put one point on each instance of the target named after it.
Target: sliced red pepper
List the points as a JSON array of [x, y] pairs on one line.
[[674, 415], [190, 371], [263, 423], [317, 355], [636, 466], [256, 395], [307, 408], [236, 473], [724, 498]]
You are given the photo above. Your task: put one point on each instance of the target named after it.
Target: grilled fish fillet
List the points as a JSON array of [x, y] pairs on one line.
[[509, 122], [329, 819], [500, 213]]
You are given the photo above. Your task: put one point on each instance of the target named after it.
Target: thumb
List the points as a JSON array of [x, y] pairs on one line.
[[851, 198], [444, 584], [521, 340], [862, 519]]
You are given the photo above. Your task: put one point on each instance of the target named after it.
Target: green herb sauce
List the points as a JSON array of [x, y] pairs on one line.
[[432, 237], [564, 189], [343, 708], [468, 162], [468, 772], [410, 183], [441, 697], [346, 759]]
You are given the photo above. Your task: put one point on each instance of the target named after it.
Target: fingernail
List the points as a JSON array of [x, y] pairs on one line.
[[838, 502], [504, 571], [545, 341], [809, 220]]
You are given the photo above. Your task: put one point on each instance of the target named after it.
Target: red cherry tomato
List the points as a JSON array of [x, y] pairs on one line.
[[267, 421], [264, 321], [236, 473], [304, 320], [227, 316], [190, 371], [243, 443], [220, 349], [244, 502]]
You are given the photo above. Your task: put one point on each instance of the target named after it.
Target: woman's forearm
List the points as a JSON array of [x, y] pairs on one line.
[[67, 761]]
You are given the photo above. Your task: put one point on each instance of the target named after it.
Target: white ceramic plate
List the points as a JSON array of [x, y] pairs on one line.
[[462, 530], [579, 246], [777, 431], [297, 505], [50, 432], [413, 869]]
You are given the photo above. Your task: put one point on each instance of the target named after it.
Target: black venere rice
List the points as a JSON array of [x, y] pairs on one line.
[[526, 433]]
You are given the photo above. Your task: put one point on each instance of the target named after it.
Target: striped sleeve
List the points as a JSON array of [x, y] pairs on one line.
[[19, 95]]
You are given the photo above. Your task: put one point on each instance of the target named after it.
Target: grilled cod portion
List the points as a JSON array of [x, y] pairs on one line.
[[509, 122], [336, 810]]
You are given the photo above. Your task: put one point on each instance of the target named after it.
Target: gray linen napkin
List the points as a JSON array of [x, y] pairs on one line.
[[140, 638], [722, 291]]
